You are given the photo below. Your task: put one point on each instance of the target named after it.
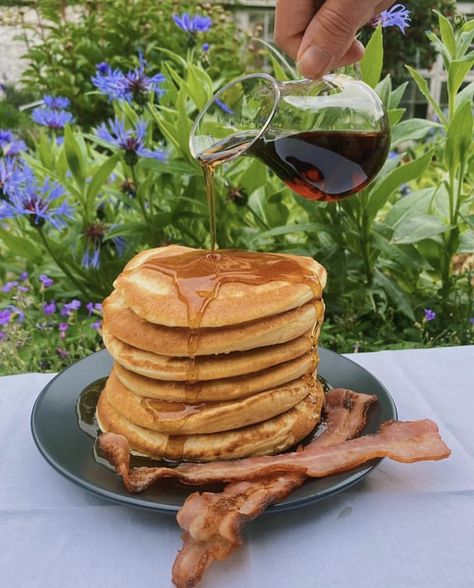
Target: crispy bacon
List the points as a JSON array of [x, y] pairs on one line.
[[212, 521], [406, 442]]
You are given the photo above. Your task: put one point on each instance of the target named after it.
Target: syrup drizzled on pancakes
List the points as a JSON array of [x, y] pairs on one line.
[[198, 275]]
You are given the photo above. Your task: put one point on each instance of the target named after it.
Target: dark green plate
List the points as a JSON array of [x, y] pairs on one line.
[[70, 451]]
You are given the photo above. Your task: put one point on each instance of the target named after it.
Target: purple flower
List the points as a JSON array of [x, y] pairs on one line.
[[97, 325], [14, 176], [24, 276], [63, 354], [49, 308], [396, 16], [51, 118], [132, 141], [193, 24], [8, 287], [14, 148], [2, 335], [131, 86], [223, 106], [205, 47], [5, 316], [94, 237], [63, 327], [5, 137], [103, 68], [471, 320], [39, 203], [17, 311], [91, 307], [70, 307], [430, 315], [56, 102], [46, 281]]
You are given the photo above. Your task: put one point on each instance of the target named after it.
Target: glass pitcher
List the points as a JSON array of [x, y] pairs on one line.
[[325, 138]]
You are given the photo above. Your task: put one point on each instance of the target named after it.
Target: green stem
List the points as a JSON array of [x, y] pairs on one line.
[[61, 265], [139, 198]]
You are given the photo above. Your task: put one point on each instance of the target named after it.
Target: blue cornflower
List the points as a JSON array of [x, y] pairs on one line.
[[9, 286], [133, 85], [40, 204], [193, 24], [5, 316], [51, 118], [5, 137], [205, 47], [396, 16], [49, 308], [46, 281], [14, 176], [97, 325], [10, 146], [103, 68], [23, 276], [430, 315], [56, 102], [94, 238], [70, 307], [130, 140]]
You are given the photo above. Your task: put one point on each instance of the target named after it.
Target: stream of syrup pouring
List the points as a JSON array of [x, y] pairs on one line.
[[198, 275]]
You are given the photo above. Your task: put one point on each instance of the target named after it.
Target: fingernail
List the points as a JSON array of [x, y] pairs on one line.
[[314, 62]]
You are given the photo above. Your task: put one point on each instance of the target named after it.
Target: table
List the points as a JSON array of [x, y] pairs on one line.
[[403, 526]]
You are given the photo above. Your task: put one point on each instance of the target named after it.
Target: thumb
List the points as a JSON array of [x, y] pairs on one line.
[[331, 35]]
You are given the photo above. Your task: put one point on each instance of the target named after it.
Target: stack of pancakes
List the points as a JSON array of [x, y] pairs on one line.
[[240, 382]]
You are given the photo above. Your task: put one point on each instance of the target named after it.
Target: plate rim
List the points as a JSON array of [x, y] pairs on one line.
[[137, 500]]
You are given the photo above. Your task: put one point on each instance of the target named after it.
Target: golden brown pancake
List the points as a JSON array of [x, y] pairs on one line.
[[154, 296], [125, 325], [212, 367], [175, 418], [271, 436], [215, 390]]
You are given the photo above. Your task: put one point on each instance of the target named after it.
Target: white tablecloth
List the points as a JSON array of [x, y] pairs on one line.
[[403, 526]]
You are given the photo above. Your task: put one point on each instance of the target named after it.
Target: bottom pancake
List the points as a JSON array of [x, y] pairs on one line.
[[271, 436]]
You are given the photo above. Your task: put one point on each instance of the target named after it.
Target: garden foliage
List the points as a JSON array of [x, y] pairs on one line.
[[80, 201]]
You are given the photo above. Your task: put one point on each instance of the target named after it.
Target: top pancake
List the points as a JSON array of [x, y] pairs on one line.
[[154, 295]]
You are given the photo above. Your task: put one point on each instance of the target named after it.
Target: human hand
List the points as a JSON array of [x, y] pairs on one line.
[[320, 35]]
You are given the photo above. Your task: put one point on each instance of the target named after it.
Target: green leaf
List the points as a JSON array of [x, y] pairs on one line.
[[466, 242], [130, 229], [459, 136], [417, 228], [395, 115], [424, 89], [458, 70], [414, 204], [371, 63], [291, 229], [412, 129], [74, 157], [397, 95], [465, 95], [171, 166], [380, 193], [99, 179], [406, 256], [20, 246], [447, 33], [395, 293]]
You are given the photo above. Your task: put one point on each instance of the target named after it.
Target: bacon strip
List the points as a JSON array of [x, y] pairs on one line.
[[212, 521], [406, 442]]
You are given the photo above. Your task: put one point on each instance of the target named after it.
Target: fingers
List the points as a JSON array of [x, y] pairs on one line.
[[291, 21], [320, 34], [330, 34]]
